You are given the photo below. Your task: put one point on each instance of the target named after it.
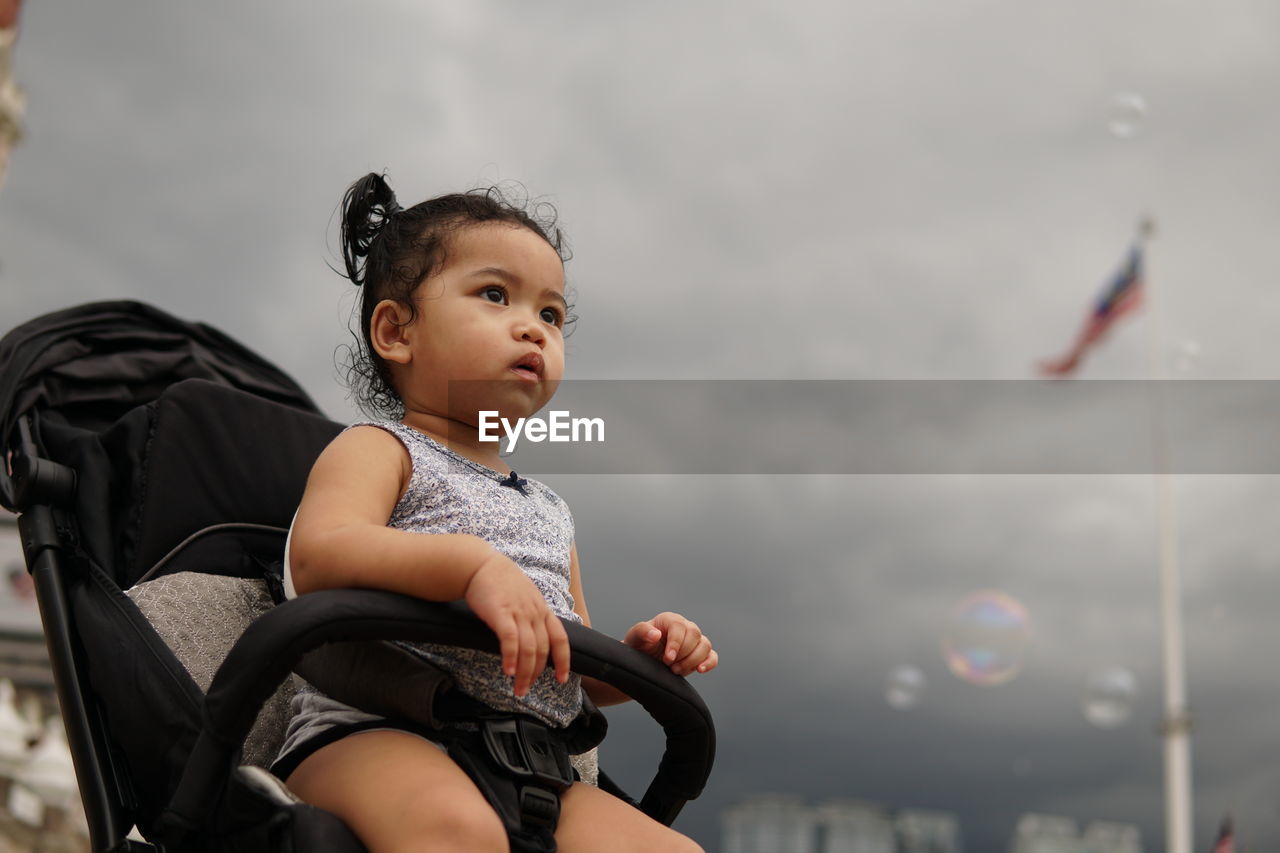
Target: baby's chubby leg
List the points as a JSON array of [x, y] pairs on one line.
[[399, 793], [593, 821]]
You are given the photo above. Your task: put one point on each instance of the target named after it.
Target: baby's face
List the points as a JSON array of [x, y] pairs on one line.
[[493, 318]]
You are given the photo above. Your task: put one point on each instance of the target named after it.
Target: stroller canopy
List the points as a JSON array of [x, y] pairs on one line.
[[102, 359]]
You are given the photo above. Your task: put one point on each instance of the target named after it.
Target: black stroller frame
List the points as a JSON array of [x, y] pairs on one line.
[[120, 430]]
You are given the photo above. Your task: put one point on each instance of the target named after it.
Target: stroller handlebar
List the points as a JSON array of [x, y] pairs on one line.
[[274, 644]]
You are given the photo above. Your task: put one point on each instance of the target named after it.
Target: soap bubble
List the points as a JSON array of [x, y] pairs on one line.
[[904, 688], [1109, 696], [1128, 111], [1185, 355], [986, 637]]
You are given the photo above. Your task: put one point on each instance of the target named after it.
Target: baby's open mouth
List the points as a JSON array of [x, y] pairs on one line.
[[530, 366]]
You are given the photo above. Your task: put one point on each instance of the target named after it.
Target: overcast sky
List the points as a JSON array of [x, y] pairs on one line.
[[810, 190]]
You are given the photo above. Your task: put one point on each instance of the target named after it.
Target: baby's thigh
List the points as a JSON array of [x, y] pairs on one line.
[[399, 792], [594, 821]]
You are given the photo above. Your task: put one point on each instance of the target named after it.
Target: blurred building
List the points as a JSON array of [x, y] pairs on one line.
[[12, 101], [39, 801], [1109, 837], [921, 831], [23, 658], [783, 823], [1041, 833], [853, 826], [771, 823], [779, 823]]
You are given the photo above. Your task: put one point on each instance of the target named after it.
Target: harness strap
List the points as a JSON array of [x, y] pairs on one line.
[[519, 763], [521, 767]]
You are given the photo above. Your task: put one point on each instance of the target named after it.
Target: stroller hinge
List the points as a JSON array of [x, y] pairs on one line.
[[39, 481], [42, 528], [34, 480]]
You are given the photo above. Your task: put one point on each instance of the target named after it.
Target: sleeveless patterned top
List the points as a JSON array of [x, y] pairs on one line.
[[528, 523]]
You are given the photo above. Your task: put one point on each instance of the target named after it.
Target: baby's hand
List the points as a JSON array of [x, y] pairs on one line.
[[507, 601], [675, 641]]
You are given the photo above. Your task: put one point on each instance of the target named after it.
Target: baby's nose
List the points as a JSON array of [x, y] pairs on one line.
[[531, 331]]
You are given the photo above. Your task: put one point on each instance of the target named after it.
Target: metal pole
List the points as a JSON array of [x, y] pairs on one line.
[[1176, 726]]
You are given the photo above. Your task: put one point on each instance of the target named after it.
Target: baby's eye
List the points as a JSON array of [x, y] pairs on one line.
[[552, 316], [493, 293]]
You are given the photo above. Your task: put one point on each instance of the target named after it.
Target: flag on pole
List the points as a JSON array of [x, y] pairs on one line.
[[1226, 841], [1121, 296], [21, 585]]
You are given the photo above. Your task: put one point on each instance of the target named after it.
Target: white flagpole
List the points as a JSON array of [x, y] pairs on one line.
[[1176, 725]]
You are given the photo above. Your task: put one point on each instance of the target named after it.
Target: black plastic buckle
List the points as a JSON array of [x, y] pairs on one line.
[[539, 807], [526, 749]]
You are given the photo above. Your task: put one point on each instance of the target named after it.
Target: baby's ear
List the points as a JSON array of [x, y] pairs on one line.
[[388, 331]]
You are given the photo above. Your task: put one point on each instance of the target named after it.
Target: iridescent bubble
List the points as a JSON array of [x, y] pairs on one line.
[[1109, 696], [904, 688], [987, 637], [1184, 357], [1128, 111]]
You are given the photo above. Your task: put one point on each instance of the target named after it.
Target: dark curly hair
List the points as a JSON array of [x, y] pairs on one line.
[[390, 250]]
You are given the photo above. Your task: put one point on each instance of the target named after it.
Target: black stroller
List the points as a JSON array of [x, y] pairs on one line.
[[161, 457]]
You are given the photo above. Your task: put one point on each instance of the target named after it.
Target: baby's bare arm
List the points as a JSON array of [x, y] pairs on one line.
[[341, 539]]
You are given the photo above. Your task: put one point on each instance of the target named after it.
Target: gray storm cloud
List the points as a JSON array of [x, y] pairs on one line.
[[825, 191]]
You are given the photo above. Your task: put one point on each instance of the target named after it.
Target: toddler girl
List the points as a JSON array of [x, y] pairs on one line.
[[461, 287]]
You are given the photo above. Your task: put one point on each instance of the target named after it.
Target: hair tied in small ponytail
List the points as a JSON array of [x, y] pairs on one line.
[[366, 209]]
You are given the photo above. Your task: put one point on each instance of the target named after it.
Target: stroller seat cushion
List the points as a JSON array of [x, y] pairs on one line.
[[199, 617]]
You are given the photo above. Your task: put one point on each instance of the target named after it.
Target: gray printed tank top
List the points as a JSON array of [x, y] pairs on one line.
[[530, 524]]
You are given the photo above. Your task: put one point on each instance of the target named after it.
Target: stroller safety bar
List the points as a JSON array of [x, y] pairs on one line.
[[275, 643]]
